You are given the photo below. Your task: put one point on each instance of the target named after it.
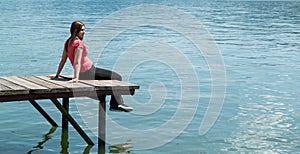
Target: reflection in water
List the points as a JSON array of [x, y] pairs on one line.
[[64, 142], [120, 148], [46, 137], [87, 149]]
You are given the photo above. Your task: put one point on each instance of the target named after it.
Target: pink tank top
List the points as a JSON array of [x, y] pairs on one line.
[[86, 63]]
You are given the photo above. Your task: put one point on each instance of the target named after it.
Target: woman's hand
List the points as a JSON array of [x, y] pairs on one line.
[[52, 76], [74, 80]]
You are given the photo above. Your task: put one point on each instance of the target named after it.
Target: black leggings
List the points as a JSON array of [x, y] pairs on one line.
[[102, 74]]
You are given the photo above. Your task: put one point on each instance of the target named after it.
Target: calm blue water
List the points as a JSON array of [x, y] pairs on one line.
[[259, 44]]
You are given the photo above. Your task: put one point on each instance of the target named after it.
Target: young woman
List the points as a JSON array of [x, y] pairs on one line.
[[76, 51]]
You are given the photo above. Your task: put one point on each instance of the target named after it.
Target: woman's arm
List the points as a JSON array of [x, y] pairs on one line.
[[62, 63], [77, 63]]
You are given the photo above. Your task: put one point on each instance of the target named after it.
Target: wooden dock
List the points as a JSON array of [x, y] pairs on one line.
[[33, 88]]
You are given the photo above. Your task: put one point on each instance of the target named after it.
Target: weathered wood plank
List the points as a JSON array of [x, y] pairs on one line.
[[33, 88], [10, 88], [109, 84], [71, 86], [125, 84], [39, 81], [53, 88], [11, 85], [5, 90], [93, 83], [43, 86]]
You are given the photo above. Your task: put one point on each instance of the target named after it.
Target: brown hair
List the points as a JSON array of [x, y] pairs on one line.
[[74, 30]]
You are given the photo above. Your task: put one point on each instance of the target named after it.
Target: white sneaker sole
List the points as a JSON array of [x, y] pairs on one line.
[[127, 108]]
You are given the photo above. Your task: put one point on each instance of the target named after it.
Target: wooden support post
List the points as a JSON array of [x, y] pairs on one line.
[[65, 128], [43, 112], [72, 121], [101, 124], [65, 105]]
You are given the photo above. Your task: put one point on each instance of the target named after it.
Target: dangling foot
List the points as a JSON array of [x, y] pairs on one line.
[[121, 108]]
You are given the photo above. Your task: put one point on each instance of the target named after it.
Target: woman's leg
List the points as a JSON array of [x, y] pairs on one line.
[[103, 74], [116, 101]]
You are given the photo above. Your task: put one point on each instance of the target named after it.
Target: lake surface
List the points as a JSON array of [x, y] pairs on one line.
[[259, 49]]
